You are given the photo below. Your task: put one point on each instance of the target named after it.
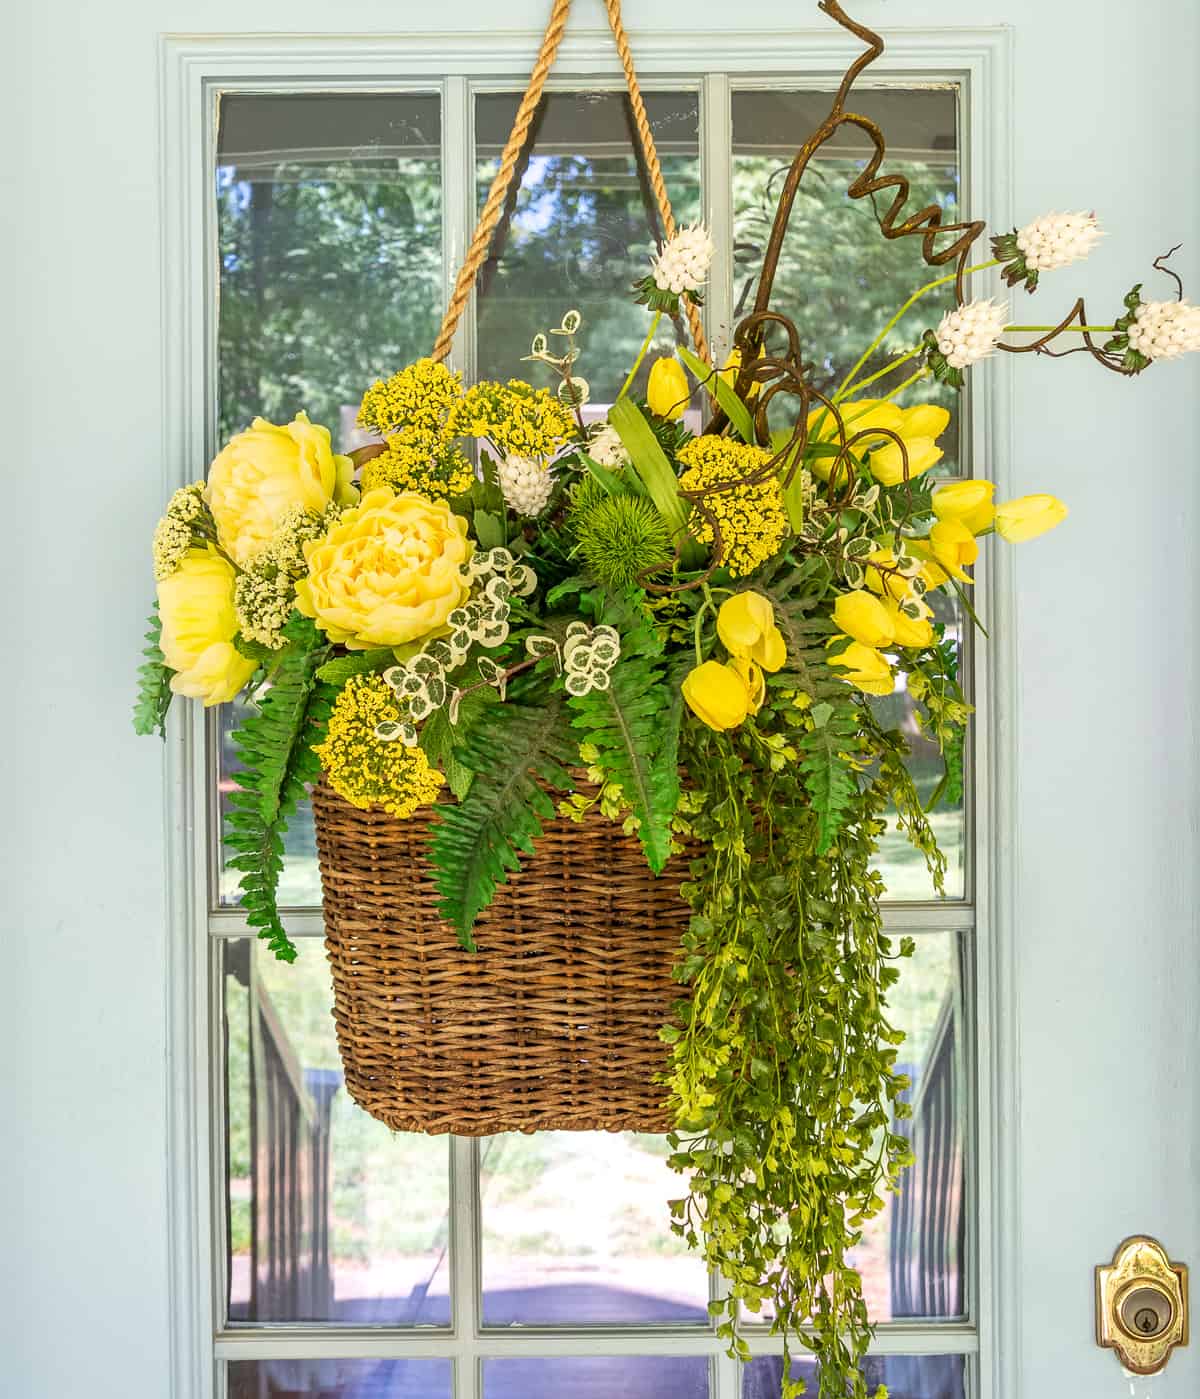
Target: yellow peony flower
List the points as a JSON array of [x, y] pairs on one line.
[[667, 391], [1028, 516], [718, 695], [968, 501], [390, 571], [862, 617], [954, 547], [865, 669], [746, 626], [910, 631], [266, 470], [195, 604]]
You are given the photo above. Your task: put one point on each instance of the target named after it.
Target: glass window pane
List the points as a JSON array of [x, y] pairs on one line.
[[329, 218], [906, 1376], [597, 1377], [576, 1231], [340, 1379], [331, 1217], [912, 1256], [579, 232], [902, 866], [838, 278]]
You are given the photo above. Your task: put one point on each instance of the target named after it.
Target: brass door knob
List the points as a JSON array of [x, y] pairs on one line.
[[1142, 1305]]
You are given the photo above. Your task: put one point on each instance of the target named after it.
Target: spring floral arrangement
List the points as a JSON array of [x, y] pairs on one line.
[[517, 595]]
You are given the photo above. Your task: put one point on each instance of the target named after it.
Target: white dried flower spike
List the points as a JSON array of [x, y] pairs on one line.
[[683, 262], [1165, 329], [971, 332], [1057, 240], [525, 484], [607, 449]]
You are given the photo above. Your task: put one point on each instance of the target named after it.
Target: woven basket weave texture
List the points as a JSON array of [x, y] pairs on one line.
[[552, 1024]]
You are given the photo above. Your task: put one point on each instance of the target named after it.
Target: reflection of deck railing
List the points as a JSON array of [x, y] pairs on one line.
[[290, 1276], [927, 1234]]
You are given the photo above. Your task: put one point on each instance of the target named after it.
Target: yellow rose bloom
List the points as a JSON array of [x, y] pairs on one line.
[[910, 631], [746, 626], [865, 669], [266, 470], [968, 501], [1028, 516], [862, 617], [954, 547], [717, 695], [667, 390], [389, 572], [195, 605]]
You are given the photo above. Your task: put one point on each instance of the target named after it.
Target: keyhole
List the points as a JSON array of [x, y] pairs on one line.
[[1146, 1320]]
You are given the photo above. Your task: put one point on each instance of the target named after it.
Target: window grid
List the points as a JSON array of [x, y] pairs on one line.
[[466, 1342]]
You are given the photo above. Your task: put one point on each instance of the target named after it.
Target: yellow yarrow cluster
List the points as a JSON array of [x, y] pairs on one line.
[[265, 592], [420, 461], [751, 517], [369, 771], [517, 419], [186, 518], [420, 396]]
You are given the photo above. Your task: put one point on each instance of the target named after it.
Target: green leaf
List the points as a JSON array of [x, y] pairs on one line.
[[634, 726], [153, 684], [341, 668], [609, 482], [793, 492], [731, 405], [649, 463], [478, 842], [489, 530], [275, 744]]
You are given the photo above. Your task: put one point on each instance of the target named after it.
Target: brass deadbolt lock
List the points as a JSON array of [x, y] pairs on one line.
[[1142, 1305]]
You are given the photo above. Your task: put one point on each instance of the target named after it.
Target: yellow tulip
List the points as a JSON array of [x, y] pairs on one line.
[[968, 501], [756, 686], [746, 626], [924, 420], [882, 579], [667, 391], [863, 618], [954, 547], [199, 623], [888, 465], [717, 695], [1028, 516], [265, 471], [865, 669], [859, 416], [910, 631], [732, 368]]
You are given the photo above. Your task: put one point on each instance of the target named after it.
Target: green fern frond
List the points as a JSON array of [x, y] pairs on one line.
[[275, 744], [153, 685], [827, 762], [634, 727], [477, 843]]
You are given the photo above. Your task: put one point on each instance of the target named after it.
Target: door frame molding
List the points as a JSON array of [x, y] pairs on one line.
[[192, 68]]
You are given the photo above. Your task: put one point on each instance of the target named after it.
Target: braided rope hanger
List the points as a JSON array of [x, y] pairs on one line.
[[481, 240]]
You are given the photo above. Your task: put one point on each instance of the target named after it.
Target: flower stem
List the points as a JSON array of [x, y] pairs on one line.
[[879, 373], [706, 606], [912, 300], [912, 379], [637, 364], [1090, 329]]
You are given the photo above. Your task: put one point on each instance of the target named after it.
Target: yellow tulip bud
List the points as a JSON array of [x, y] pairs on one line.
[[863, 618], [887, 463], [1028, 516], [667, 391], [717, 695], [746, 626], [968, 501], [883, 578], [910, 631], [865, 669], [732, 368], [860, 416], [924, 420], [954, 547]]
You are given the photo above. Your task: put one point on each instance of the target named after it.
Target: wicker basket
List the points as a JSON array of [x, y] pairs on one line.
[[553, 1023]]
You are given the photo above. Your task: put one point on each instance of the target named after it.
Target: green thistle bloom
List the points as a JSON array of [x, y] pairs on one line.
[[620, 537]]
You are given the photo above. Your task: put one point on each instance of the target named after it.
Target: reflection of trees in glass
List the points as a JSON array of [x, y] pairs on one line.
[[839, 279], [330, 277]]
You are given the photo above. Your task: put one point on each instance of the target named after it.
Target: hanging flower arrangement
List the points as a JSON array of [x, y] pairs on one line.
[[510, 609]]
